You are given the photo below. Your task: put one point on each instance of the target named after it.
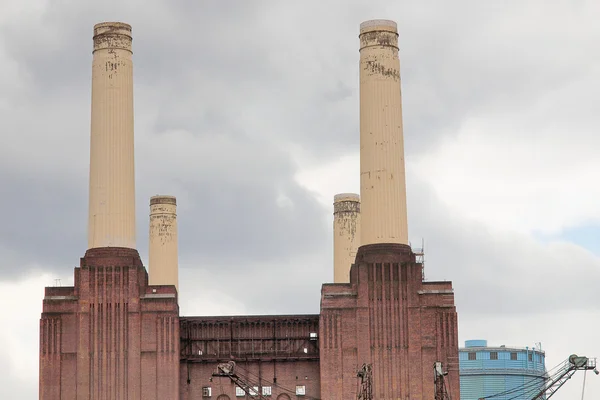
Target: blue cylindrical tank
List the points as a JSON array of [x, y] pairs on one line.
[[518, 373]]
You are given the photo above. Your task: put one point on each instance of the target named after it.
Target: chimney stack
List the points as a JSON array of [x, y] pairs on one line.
[[111, 220], [382, 176], [346, 234], [163, 264]]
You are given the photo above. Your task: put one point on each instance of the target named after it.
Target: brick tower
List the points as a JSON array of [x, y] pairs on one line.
[[387, 316], [111, 335]]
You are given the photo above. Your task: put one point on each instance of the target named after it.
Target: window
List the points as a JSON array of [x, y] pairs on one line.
[[206, 391], [239, 392], [472, 355], [513, 356], [266, 390], [493, 355], [530, 356], [253, 391], [300, 390]]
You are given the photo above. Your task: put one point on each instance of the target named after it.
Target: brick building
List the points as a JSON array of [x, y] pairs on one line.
[[115, 336]]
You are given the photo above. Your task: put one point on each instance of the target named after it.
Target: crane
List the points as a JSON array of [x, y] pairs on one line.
[[365, 373], [228, 370], [441, 391], [565, 371], [575, 363]]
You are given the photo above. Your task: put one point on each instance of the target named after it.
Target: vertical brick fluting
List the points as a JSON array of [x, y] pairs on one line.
[[389, 317], [386, 316], [91, 341]]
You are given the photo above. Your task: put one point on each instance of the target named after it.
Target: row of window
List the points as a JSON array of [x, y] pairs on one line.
[[513, 356], [253, 391]]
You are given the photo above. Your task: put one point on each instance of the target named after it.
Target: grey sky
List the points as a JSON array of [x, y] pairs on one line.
[[248, 113]]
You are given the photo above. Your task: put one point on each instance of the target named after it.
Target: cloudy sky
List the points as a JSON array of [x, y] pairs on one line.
[[248, 113]]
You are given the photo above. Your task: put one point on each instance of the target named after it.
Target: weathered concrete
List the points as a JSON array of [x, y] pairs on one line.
[[112, 178], [382, 175], [346, 234], [110, 336], [163, 267]]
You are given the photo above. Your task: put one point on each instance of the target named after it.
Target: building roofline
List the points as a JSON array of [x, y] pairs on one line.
[[500, 348], [253, 317]]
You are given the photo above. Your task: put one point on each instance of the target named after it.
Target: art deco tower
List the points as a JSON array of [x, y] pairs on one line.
[[110, 336], [386, 316], [112, 186]]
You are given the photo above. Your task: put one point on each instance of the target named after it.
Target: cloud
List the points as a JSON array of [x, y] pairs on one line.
[[19, 353], [524, 184]]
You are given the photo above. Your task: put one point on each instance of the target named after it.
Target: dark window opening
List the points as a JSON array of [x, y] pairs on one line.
[[472, 356], [494, 355], [513, 356]]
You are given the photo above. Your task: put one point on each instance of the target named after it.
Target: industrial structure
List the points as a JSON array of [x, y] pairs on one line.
[[346, 234], [382, 331], [487, 371], [163, 263], [514, 373]]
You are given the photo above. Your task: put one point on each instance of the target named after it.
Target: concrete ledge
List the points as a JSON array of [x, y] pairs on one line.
[[57, 298], [159, 296]]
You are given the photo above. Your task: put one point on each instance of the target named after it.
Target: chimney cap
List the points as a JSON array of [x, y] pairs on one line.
[[163, 199], [346, 197], [121, 28], [112, 35], [378, 25]]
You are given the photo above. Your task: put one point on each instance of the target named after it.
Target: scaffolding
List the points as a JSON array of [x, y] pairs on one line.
[[419, 253]]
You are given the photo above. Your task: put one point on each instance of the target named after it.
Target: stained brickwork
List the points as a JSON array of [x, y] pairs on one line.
[[111, 336], [389, 317], [277, 352]]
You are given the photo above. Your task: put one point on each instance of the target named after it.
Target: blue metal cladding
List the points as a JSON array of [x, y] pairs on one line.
[[508, 373]]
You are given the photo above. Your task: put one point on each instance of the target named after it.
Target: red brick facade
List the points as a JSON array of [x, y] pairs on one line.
[[389, 317], [111, 336], [280, 352], [114, 337]]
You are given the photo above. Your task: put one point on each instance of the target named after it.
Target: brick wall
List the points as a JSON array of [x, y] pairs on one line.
[[279, 352], [388, 317], [111, 335]]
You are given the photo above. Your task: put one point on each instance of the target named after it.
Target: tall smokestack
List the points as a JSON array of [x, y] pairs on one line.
[[163, 264], [382, 176], [346, 234], [112, 187]]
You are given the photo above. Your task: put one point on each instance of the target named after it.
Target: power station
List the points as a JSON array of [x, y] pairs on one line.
[[382, 332]]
